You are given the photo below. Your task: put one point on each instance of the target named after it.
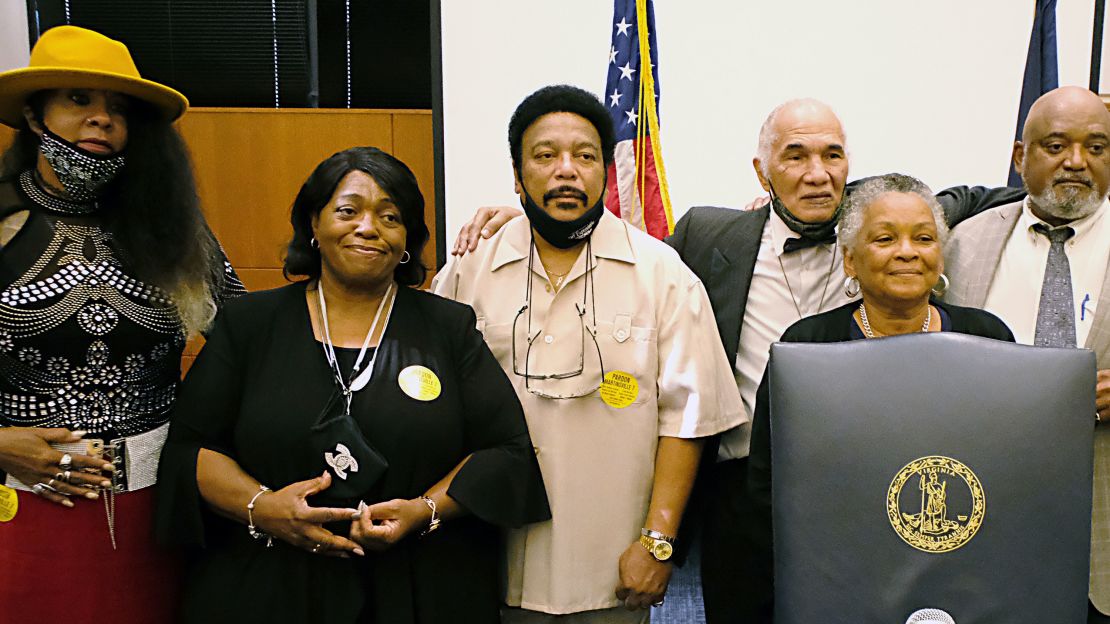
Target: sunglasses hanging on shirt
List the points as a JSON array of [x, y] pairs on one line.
[[530, 338]]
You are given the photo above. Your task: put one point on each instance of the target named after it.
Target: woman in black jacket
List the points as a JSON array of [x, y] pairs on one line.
[[331, 426]]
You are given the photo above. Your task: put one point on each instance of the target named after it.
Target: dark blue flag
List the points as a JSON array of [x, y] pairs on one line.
[[1041, 68]]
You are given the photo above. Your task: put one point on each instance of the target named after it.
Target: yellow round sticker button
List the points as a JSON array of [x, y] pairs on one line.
[[9, 503], [619, 389], [420, 383]]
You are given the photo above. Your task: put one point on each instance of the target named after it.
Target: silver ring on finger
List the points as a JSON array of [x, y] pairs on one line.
[[66, 462], [658, 604], [65, 476], [50, 483], [38, 488]]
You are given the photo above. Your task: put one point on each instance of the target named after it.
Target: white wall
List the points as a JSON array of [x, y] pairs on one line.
[[927, 88], [13, 34]]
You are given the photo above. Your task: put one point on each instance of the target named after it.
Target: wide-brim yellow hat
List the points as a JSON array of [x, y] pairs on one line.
[[70, 57]]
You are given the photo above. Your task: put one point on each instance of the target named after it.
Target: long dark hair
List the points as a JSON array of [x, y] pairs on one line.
[[151, 209], [392, 175]]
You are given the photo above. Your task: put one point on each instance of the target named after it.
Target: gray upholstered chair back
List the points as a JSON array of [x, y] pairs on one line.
[[859, 429]]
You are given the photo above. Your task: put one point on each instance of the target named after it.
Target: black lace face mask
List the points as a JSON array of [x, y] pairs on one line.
[[82, 173]]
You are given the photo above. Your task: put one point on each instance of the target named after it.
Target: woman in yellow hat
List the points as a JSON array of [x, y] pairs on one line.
[[106, 267]]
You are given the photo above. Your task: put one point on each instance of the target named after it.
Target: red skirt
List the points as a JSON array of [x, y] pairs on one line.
[[58, 565]]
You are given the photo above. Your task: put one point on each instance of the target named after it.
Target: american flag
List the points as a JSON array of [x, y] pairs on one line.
[[637, 180]]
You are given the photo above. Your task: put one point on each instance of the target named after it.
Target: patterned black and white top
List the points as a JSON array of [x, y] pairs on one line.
[[83, 343]]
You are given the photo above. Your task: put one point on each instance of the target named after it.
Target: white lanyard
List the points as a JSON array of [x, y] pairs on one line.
[[363, 378]]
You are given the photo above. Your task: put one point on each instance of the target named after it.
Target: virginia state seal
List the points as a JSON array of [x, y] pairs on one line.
[[936, 504]]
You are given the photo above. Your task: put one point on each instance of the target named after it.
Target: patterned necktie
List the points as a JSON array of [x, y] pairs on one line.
[[1056, 312]]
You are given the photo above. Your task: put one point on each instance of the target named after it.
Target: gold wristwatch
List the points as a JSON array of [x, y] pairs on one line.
[[660, 546]]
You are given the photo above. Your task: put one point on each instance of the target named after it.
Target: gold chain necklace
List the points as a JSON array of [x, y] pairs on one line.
[[558, 277]]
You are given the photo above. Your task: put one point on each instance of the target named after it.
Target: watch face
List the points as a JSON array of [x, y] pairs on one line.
[[662, 550]]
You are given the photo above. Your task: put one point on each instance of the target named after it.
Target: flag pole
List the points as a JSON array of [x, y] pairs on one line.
[[1096, 44]]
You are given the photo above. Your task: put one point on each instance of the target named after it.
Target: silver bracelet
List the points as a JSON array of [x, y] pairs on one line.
[[253, 530], [433, 524]]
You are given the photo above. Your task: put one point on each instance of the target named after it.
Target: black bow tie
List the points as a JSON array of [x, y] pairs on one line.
[[794, 244]]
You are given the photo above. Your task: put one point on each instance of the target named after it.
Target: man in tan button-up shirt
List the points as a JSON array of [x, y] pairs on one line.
[[611, 344]]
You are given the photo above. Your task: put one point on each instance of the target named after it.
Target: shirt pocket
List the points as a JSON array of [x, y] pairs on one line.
[[631, 349]]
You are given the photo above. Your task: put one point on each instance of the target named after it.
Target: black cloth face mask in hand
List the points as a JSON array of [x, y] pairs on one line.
[[82, 173]]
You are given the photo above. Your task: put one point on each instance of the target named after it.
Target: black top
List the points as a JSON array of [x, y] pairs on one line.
[[84, 344], [835, 326], [253, 393]]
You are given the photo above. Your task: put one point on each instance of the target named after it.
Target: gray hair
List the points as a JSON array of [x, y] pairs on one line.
[[768, 134], [851, 219]]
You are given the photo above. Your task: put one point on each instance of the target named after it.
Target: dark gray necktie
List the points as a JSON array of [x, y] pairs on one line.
[[1056, 312]]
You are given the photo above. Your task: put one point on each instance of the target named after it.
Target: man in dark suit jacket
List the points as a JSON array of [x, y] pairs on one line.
[[764, 269]]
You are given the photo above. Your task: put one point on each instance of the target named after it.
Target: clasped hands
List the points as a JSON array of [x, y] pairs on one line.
[[643, 579], [286, 515]]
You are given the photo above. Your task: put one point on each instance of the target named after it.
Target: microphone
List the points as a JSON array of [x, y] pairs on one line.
[[930, 616]]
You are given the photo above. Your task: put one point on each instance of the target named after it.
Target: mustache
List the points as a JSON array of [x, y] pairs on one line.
[[1080, 179], [563, 191]]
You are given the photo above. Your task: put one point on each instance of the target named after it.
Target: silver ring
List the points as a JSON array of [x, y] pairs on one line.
[[50, 483], [66, 462], [316, 548], [65, 476], [658, 604], [38, 488]]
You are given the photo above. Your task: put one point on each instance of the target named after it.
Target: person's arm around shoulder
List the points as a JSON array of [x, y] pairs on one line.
[[486, 221], [963, 202]]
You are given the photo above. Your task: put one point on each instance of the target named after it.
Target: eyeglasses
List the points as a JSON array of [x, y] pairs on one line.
[[530, 339]]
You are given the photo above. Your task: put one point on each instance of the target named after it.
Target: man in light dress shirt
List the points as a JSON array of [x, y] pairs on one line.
[[1000, 261], [610, 342]]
